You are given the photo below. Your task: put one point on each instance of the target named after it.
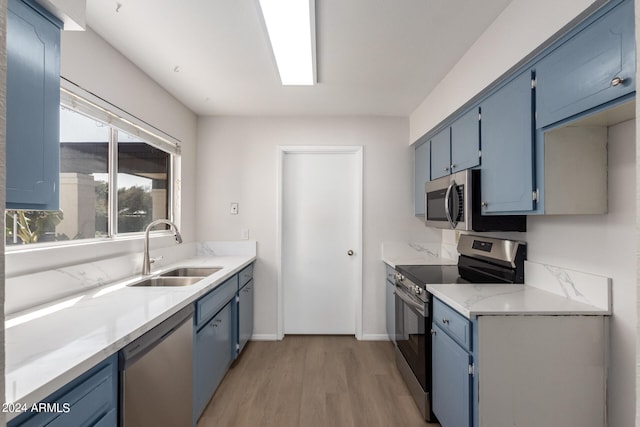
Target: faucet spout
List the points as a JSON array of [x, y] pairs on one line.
[[146, 260]]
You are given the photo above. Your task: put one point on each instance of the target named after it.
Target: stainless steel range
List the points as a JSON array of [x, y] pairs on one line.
[[481, 260]]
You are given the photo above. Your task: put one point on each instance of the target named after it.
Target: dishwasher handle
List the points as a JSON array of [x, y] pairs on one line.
[[141, 346]]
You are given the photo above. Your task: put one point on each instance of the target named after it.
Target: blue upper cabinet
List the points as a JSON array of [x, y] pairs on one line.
[[456, 147], [441, 154], [595, 66], [465, 141], [507, 148], [421, 174], [33, 105]]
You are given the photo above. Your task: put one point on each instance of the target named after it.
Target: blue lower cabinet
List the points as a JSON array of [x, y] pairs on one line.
[[452, 381], [245, 315], [213, 349], [89, 400]]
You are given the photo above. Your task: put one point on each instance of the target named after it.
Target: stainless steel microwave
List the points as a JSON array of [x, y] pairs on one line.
[[453, 202]]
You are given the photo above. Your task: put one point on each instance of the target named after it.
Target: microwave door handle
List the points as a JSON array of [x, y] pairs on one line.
[[447, 199], [455, 202]]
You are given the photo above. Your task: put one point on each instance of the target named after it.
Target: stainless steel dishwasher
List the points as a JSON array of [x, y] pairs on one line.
[[156, 375]]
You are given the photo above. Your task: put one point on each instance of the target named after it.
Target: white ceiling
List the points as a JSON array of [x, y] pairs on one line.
[[375, 57]]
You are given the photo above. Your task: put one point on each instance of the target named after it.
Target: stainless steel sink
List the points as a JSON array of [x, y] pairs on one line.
[[191, 272], [168, 281]]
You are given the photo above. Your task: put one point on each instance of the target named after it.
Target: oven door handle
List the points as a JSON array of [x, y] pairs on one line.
[[407, 300], [447, 202]]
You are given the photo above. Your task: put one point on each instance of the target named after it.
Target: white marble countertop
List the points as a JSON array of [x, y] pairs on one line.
[[48, 347], [506, 299], [400, 253]]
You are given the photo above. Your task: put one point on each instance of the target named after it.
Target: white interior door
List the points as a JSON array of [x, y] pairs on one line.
[[321, 225]]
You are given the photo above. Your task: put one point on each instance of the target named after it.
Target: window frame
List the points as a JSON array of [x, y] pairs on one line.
[[95, 108]]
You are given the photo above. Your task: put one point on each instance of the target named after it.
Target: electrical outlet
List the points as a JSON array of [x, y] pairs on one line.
[[234, 208], [245, 234]]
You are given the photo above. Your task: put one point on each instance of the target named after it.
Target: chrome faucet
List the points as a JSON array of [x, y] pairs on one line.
[[146, 261]]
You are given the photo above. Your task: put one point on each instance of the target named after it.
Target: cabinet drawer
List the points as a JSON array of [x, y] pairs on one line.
[[211, 303], [245, 275], [453, 323], [85, 401], [391, 274]]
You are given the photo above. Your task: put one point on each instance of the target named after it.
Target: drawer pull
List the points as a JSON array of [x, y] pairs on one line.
[[617, 81], [433, 332], [445, 320]]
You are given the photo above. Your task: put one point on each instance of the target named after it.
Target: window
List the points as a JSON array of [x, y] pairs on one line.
[[101, 155]]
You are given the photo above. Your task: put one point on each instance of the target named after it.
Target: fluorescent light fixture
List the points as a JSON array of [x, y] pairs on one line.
[[291, 28]]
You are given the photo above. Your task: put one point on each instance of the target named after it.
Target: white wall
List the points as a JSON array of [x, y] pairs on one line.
[[237, 162], [519, 29], [604, 245]]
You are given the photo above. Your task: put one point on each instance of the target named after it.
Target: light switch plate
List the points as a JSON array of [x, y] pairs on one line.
[[234, 208]]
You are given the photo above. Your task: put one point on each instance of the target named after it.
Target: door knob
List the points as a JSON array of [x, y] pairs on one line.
[[350, 252]]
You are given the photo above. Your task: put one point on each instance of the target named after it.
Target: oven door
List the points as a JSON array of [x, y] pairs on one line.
[[412, 321]]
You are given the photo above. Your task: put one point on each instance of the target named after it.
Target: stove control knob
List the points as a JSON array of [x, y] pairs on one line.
[[418, 290]]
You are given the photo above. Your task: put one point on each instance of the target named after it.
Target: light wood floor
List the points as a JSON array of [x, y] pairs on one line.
[[308, 381]]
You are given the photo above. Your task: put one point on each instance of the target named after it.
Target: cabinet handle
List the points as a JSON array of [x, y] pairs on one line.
[[445, 320], [483, 204], [446, 169], [453, 166], [617, 81], [433, 332], [218, 320]]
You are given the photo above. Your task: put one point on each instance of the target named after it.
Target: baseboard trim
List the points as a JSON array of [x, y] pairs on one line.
[[365, 337], [264, 337], [375, 337]]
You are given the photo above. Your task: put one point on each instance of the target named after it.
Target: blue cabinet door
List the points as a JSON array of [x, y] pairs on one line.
[[203, 367], [451, 381], [33, 108], [245, 315], [441, 154], [213, 349], [225, 344], [390, 301], [421, 174], [580, 74], [465, 141], [507, 148]]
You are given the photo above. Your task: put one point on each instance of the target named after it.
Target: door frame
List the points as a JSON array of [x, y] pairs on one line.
[[356, 150]]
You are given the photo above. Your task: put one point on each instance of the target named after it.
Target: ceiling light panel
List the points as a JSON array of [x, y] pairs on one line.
[[291, 28]]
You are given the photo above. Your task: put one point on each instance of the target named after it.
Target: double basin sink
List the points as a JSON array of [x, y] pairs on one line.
[[183, 276]]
